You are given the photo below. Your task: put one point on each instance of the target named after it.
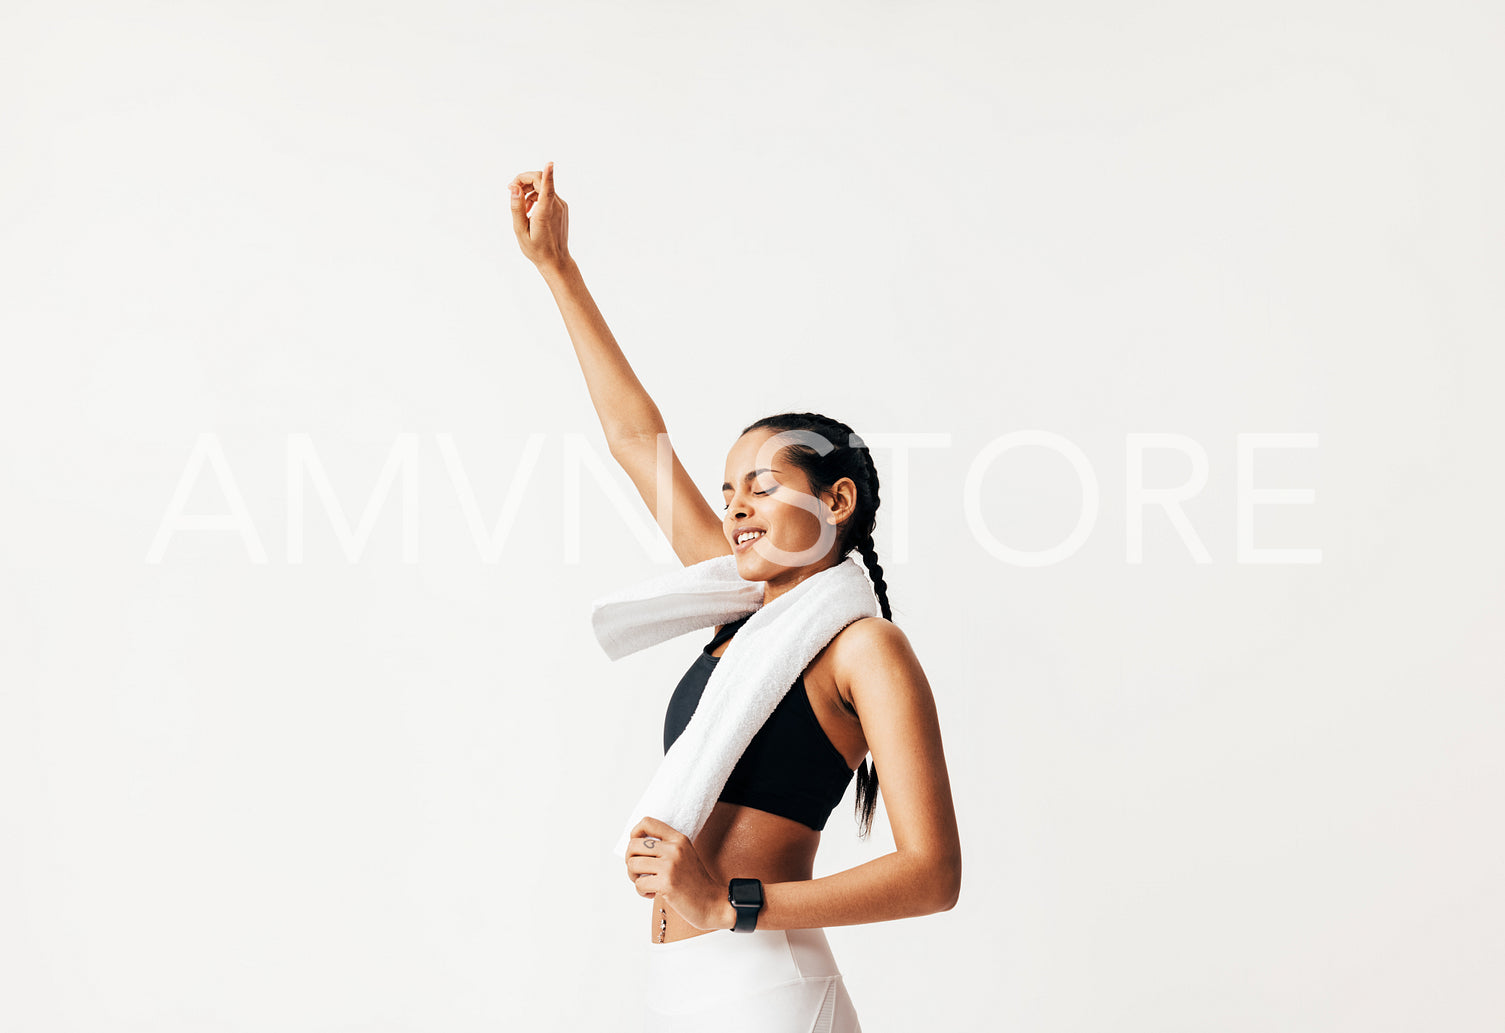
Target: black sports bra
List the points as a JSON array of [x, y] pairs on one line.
[[790, 768]]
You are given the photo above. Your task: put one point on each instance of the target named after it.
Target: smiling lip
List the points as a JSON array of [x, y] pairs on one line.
[[739, 546]]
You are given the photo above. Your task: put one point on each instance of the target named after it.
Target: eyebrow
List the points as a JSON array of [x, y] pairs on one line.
[[749, 476]]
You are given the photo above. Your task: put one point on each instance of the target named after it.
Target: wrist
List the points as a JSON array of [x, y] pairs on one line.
[[746, 901], [728, 916], [558, 270]]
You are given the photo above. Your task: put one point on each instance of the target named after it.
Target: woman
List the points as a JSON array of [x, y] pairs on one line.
[[791, 511]]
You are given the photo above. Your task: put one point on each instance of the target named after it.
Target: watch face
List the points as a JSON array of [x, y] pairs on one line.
[[746, 893]]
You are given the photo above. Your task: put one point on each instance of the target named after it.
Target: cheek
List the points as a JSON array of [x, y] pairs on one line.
[[796, 522]]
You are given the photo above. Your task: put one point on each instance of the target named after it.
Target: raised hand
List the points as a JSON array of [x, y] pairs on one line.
[[543, 231]]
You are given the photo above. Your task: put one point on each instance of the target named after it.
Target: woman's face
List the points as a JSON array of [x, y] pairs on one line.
[[763, 494]]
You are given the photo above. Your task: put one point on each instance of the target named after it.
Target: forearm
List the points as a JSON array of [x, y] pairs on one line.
[[622, 403], [881, 890]]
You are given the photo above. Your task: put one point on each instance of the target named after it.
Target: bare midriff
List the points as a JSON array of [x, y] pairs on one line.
[[740, 842], [743, 843]]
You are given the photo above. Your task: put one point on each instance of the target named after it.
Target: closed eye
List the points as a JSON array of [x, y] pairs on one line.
[[729, 505]]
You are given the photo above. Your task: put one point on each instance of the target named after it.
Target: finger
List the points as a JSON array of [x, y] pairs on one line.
[[525, 184], [647, 826], [640, 865], [546, 199], [638, 846], [519, 210], [543, 205]]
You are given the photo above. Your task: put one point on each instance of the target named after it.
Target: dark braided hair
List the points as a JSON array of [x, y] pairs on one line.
[[849, 456]]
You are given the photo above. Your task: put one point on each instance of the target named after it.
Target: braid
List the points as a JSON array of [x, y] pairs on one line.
[[865, 546], [867, 781], [850, 457]]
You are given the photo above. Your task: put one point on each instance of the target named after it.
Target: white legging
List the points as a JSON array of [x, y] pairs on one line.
[[765, 981]]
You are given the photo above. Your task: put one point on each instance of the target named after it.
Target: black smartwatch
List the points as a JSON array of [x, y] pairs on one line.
[[746, 896]]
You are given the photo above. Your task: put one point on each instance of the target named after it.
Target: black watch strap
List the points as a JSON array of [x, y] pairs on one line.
[[746, 895]]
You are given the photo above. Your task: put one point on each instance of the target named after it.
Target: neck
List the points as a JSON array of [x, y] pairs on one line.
[[790, 579]]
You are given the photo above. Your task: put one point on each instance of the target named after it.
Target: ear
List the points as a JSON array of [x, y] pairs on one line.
[[842, 498]]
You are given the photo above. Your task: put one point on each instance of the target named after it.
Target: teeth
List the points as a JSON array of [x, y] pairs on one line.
[[747, 535]]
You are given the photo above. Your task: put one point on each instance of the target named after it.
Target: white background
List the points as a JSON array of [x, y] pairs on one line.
[[368, 795]]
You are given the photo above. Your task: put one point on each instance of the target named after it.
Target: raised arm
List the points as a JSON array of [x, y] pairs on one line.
[[629, 418]]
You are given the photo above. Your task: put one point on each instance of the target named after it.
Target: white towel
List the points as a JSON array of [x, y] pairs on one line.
[[761, 662], [672, 604]]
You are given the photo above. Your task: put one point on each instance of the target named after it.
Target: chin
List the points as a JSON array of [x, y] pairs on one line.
[[752, 567]]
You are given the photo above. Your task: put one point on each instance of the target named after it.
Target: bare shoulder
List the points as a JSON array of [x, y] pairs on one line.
[[872, 650], [866, 633]]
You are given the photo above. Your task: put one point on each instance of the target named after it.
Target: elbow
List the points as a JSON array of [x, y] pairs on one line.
[[932, 880], [949, 901], [630, 440], [948, 884], [621, 446], [953, 882]]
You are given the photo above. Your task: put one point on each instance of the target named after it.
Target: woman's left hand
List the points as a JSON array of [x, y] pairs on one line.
[[663, 863]]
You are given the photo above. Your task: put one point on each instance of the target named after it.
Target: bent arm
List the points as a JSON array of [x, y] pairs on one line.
[[900, 884], [876, 668]]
